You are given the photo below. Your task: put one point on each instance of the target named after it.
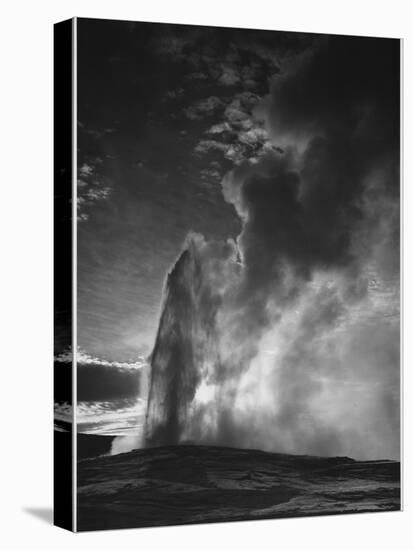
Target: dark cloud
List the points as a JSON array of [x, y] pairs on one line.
[[346, 86], [98, 379], [106, 383]]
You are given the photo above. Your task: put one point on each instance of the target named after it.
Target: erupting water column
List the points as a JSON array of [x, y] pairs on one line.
[[185, 337]]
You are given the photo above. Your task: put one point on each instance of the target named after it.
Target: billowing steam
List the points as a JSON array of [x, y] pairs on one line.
[[288, 339]]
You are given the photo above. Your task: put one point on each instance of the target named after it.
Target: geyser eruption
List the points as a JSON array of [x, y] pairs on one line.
[[174, 370], [187, 337], [288, 339]]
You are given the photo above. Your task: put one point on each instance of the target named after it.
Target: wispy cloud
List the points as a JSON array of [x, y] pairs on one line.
[[63, 412], [94, 132], [83, 358], [203, 108], [241, 134], [92, 185], [120, 417]]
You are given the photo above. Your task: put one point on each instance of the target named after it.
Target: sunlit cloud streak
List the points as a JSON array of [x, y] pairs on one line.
[[115, 418], [83, 358]]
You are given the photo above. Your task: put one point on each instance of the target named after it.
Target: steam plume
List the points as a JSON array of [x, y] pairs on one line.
[[288, 339]]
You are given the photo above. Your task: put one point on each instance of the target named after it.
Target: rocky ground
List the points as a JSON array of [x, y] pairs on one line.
[[196, 484]]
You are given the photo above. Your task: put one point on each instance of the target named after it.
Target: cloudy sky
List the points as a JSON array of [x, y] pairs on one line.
[[164, 113], [284, 142]]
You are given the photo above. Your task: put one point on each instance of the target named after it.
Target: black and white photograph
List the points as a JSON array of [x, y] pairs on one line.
[[238, 275], [205, 285]]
